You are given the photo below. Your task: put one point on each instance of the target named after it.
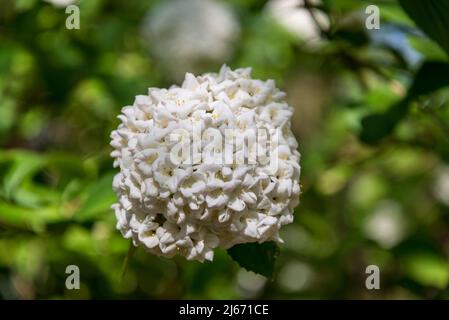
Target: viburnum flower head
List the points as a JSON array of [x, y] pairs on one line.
[[209, 164]]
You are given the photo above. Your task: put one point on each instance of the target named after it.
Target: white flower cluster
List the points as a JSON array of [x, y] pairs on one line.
[[191, 209], [189, 35]]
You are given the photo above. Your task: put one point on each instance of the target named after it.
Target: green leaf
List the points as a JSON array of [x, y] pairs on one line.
[[256, 257], [432, 16], [427, 269], [26, 164], [432, 76], [32, 195], [376, 126], [27, 218], [100, 198], [428, 48]]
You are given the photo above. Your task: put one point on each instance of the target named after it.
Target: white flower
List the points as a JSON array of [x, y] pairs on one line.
[[61, 3], [295, 18], [441, 185], [185, 35], [386, 224], [192, 208]]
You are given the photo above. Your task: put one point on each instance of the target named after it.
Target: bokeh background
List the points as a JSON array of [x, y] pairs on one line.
[[385, 202]]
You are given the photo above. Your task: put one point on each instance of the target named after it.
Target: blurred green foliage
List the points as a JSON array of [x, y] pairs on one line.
[[384, 203]]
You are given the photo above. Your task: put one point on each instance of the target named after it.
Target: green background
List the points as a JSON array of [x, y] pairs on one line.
[[373, 134]]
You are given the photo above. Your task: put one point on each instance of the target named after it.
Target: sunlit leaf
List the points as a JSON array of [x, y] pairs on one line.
[[26, 218], [24, 166], [100, 198], [428, 48], [432, 16], [432, 76], [428, 269]]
